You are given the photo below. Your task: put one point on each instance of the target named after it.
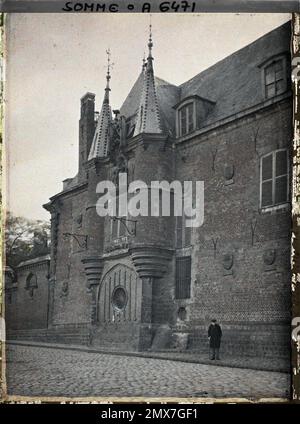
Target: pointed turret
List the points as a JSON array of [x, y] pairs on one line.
[[100, 144], [148, 119]]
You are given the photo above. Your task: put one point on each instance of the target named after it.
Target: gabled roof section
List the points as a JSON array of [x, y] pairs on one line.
[[133, 99]]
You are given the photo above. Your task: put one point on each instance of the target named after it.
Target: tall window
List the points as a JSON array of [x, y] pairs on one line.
[[183, 277], [274, 182], [117, 228], [275, 78], [186, 119]]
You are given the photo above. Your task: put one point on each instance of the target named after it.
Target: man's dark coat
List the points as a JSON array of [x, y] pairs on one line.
[[215, 334]]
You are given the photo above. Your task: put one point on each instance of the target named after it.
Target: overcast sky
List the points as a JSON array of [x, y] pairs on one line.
[[53, 59]]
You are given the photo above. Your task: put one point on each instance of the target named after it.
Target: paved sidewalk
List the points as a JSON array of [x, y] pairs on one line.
[[44, 371], [256, 363]]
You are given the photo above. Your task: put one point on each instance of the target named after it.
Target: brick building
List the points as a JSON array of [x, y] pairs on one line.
[[155, 283]]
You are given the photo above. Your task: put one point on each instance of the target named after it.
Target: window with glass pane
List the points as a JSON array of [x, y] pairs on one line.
[[117, 227], [274, 78], [281, 177], [274, 178], [186, 117], [183, 277], [183, 121], [190, 113]]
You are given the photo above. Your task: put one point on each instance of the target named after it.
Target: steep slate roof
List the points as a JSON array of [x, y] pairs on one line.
[[167, 96], [234, 82]]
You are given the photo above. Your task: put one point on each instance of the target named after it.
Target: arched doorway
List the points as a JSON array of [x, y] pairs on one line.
[[118, 296]]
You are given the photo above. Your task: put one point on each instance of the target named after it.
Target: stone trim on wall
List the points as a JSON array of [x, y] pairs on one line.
[[150, 261]]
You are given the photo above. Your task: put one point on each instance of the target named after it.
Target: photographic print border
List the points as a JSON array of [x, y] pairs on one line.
[[295, 259]]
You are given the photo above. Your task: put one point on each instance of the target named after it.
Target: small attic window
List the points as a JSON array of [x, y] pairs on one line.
[[186, 119], [130, 127], [191, 114], [274, 76]]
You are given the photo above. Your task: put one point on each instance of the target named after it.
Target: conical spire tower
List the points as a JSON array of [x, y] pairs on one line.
[[148, 119], [100, 144]]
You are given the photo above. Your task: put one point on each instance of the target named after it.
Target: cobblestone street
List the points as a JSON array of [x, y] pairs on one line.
[[39, 371]]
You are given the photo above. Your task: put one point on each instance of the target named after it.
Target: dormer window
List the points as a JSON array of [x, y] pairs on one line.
[[274, 76], [186, 119], [191, 114]]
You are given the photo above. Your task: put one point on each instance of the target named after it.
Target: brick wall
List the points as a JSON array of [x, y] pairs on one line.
[[27, 305], [251, 292], [71, 300]]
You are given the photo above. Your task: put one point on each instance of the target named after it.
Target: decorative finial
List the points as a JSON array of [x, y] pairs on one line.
[[144, 62], [150, 43], [109, 67]]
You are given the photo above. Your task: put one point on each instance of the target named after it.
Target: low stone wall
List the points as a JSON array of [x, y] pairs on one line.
[[271, 341], [246, 340], [68, 334]]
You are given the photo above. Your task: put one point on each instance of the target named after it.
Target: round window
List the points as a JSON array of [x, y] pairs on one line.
[[119, 298]]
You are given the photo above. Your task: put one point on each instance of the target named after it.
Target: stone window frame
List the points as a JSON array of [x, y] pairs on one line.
[[30, 287], [184, 106], [116, 307], [271, 62], [274, 205]]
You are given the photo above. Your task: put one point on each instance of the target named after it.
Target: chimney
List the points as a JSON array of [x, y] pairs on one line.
[[86, 128]]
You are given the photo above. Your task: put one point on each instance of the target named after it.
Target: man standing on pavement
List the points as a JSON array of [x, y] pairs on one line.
[[214, 337]]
